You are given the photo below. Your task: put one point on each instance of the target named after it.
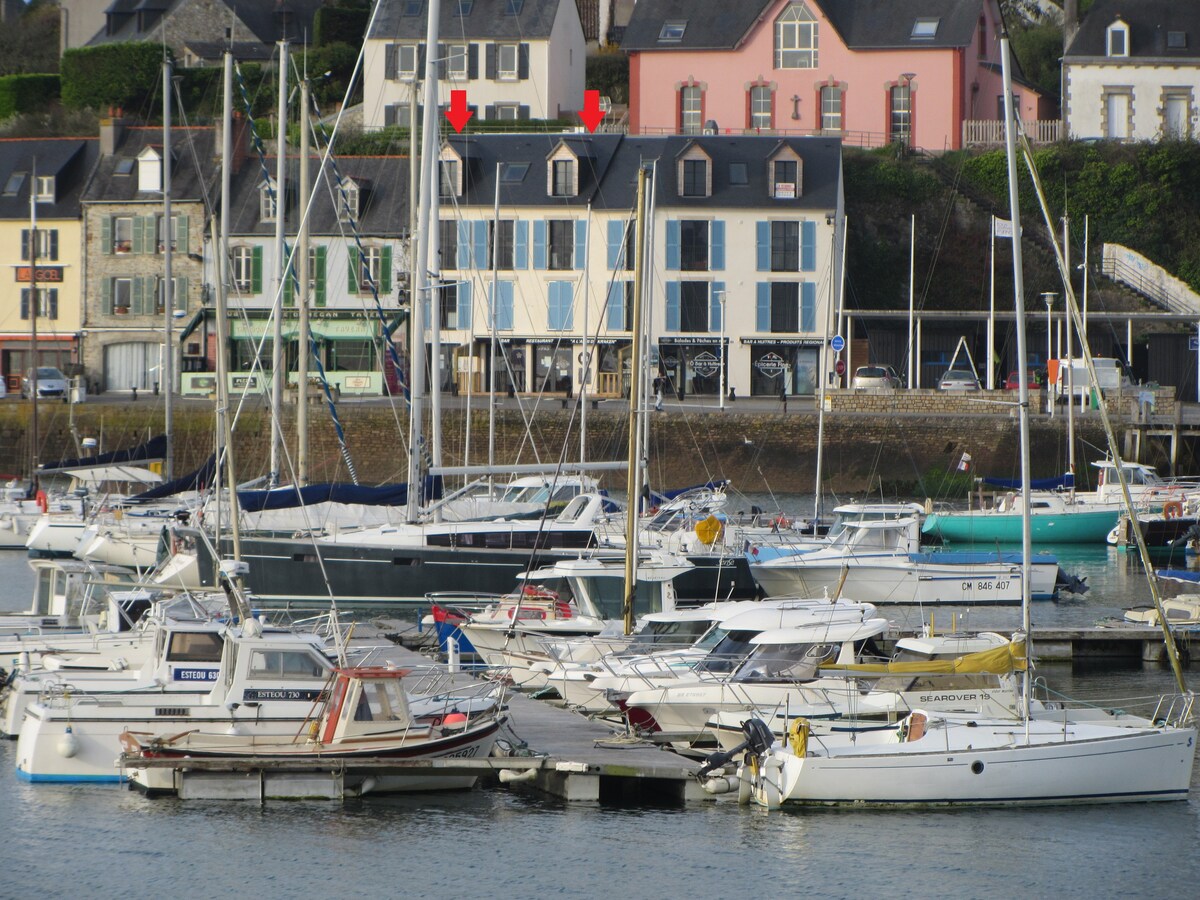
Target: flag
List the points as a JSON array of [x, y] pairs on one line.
[[964, 464], [1002, 228]]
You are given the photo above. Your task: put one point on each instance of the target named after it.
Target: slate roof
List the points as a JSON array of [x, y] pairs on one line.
[[383, 207], [258, 16], [862, 24], [1149, 22], [187, 183], [487, 19], [70, 160], [608, 176]]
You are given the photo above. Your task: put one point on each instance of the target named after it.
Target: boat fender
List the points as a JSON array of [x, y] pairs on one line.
[[68, 744], [780, 523], [454, 721], [1172, 509], [722, 784], [42, 502], [512, 776]]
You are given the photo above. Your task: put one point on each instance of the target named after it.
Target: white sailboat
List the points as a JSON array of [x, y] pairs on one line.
[[936, 759]]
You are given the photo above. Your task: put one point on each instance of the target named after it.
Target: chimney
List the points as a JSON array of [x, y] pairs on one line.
[[1070, 22], [111, 131], [239, 143]]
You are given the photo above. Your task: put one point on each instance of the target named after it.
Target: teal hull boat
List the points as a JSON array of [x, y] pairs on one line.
[[1073, 525]]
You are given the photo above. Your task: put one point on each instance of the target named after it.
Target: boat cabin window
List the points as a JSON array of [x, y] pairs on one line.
[[296, 665], [573, 510], [381, 701], [785, 662], [727, 652], [195, 646], [45, 592], [673, 634], [609, 596]]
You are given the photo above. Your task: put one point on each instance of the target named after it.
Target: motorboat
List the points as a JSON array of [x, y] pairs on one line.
[[367, 715], [1055, 517]]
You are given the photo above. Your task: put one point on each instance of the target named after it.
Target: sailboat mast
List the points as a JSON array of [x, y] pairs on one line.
[[302, 298], [1010, 144], [34, 309], [635, 407], [584, 370], [495, 301], [280, 269], [224, 432], [168, 230], [420, 287]]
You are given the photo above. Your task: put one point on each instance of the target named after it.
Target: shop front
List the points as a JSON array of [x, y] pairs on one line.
[[692, 365], [16, 355], [783, 366]]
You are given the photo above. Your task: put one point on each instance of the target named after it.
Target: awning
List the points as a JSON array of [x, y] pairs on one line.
[[192, 325], [338, 329]]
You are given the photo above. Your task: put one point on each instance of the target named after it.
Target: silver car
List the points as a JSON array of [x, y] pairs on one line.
[[866, 377], [51, 383], [958, 380]]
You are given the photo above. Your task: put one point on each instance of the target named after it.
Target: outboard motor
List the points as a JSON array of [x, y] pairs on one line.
[[758, 741]]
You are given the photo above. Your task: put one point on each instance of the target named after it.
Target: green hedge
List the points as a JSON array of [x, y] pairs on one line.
[[26, 93], [608, 73], [340, 25], [125, 75]]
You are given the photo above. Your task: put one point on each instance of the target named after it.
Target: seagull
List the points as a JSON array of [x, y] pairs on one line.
[[747, 441]]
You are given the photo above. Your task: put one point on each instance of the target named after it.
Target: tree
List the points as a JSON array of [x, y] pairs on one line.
[[30, 44]]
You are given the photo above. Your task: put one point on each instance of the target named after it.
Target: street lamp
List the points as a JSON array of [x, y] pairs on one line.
[[1048, 297], [720, 295]]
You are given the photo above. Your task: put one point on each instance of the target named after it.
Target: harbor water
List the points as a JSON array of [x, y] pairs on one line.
[[106, 841]]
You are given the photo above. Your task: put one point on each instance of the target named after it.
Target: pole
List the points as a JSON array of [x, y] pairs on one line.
[[635, 408], [1084, 337], [34, 309], [722, 382], [842, 300], [912, 264], [991, 329], [224, 432], [302, 298], [587, 355], [167, 367], [280, 269], [492, 331]]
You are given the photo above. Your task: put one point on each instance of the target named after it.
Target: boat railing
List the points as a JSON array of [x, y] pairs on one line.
[[1175, 709]]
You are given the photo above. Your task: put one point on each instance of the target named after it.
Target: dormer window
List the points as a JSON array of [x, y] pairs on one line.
[[448, 182], [1177, 40], [266, 201], [45, 189], [463, 8], [672, 32], [925, 29], [13, 186], [786, 172], [564, 178], [694, 172], [149, 171], [1118, 39], [348, 200]]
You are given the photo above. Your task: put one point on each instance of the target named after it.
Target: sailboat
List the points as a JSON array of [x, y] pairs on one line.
[[940, 758]]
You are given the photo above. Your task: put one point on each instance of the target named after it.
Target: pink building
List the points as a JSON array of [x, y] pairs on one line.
[[922, 72]]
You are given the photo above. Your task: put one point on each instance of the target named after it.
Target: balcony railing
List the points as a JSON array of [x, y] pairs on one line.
[[991, 131]]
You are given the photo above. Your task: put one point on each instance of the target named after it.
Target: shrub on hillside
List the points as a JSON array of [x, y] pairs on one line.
[[124, 75], [26, 93]]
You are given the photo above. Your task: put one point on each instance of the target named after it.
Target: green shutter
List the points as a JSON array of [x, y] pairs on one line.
[[180, 299], [289, 287], [137, 304], [319, 276], [385, 274], [139, 234], [256, 271], [181, 234], [106, 296], [352, 272], [106, 229]]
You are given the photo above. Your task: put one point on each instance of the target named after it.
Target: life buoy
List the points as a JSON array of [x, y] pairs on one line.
[[43, 501], [780, 523], [562, 609], [1172, 509]]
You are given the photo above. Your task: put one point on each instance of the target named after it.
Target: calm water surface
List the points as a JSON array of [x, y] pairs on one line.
[[77, 841]]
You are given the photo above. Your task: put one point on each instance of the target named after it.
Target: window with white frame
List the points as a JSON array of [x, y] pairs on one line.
[[348, 201], [900, 120], [501, 243], [691, 109], [47, 303], [508, 112], [266, 200], [122, 294], [564, 178], [242, 269], [370, 268], [1118, 39], [785, 179], [456, 61], [122, 234], [796, 38], [45, 188], [406, 61], [693, 306], [448, 178], [785, 246], [761, 107], [693, 245], [831, 108], [785, 307], [448, 297], [561, 243], [46, 246], [448, 243], [695, 178], [507, 61]]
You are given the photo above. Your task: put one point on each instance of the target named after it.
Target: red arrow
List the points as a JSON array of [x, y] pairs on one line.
[[591, 114], [458, 114]]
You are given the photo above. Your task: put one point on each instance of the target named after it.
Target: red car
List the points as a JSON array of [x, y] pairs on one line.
[[1013, 383]]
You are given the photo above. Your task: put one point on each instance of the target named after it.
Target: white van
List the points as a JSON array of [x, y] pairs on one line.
[[1109, 376]]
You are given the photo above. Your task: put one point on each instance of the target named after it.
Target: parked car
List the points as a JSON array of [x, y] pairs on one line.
[[958, 380], [875, 377], [1033, 380], [50, 383]]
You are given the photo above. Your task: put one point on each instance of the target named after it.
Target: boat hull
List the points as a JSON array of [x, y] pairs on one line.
[[1090, 527]]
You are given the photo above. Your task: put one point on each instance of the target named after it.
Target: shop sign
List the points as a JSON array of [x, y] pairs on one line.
[[771, 365], [705, 364], [45, 274]]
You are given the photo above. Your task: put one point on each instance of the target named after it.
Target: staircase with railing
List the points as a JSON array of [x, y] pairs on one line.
[[1150, 281]]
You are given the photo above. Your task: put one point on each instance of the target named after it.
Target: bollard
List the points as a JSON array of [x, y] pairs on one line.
[[134, 389], [453, 663]]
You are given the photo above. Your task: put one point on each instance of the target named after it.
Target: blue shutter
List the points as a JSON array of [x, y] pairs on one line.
[[539, 244], [560, 305], [808, 306], [762, 231], [480, 252], [673, 245], [463, 257], [521, 245], [714, 305], [672, 306], [464, 305], [762, 309], [616, 305], [504, 310], [581, 231], [808, 246], [616, 241], [24, 303], [716, 253]]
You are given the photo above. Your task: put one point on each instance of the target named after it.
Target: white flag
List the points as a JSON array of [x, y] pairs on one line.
[[1002, 228], [964, 464]]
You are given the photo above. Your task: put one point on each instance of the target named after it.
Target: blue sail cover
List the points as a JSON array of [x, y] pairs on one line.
[[1058, 482], [661, 497], [153, 449], [290, 497], [193, 481]]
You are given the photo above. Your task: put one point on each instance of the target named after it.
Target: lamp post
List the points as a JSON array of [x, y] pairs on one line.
[[1048, 298], [720, 295]]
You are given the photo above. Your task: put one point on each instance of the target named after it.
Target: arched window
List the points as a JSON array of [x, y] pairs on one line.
[[796, 38]]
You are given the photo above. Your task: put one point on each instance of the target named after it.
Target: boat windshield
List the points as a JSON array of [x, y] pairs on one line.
[[727, 653], [676, 634], [785, 662], [609, 597]]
